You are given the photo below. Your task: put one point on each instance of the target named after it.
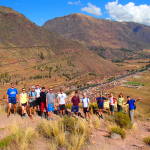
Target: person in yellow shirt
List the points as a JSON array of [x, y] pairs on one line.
[[23, 97], [120, 102]]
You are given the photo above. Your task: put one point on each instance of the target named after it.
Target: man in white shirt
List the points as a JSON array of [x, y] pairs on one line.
[[62, 101], [38, 91], [85, 102]]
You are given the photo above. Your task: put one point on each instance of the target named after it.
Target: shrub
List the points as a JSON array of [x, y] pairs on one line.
[[22, 138], [19, 138], [75, 142], [69, 123], [147, 140], [52, 145], [123, 120], [119, 131], [6, 141]]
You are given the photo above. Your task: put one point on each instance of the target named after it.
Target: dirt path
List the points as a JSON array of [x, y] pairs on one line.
[[133, 140]]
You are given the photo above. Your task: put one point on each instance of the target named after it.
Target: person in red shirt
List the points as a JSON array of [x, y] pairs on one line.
[[75, 103]]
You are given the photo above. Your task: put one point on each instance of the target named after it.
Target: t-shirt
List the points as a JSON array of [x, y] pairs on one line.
[[100, 100], [38, 91], [23, 98], [75, 100], [112, 101], [120, 101], [12, 92], [85, 102], [131, 103], [62, 97], [33, 96], [50, 98], [43, 97]]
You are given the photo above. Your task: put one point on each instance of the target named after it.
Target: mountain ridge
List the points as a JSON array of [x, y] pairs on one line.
[[26, 45], [101, 33]]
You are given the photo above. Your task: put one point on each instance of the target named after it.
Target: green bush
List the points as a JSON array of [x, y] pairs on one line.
[[123, 120], [6, 141], [119, 131], [147, 140]]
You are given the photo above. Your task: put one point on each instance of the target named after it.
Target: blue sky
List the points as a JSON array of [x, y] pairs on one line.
[[39, 11]]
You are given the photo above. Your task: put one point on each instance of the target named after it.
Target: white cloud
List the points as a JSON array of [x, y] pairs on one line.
[[92, 9], [74, 3], [129, 12]]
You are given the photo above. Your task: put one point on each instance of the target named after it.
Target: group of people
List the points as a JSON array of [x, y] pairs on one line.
[[46, 101]]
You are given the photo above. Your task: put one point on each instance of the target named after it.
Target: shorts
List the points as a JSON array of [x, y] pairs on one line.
[[101, 106], [33, 104], [24, 104], [111, 108], [85, 110], [42, 106], [75, 109], [12, 100], [38, 101], [62, 107], [50, 107]]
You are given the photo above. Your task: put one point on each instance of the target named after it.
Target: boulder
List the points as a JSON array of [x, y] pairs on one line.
[[115, 136]]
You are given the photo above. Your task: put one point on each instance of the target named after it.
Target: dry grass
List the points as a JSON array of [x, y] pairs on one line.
[[2, 109], [19, 138], [69, 132], [95, 121], [118, 130], [147, 140]]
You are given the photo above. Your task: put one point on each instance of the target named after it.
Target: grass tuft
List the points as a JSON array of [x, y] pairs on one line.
[[146, 140], [123, 120], [118, 130]]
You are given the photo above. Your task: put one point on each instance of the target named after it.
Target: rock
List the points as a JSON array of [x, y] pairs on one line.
[[115, 136]]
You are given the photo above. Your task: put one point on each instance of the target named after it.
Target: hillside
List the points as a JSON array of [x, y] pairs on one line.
[[30, 53], [110, 39]]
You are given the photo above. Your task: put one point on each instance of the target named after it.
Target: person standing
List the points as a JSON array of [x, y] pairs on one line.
[[43, 107], [12, 93], [112, 101], [32, 101], [131, 104], [23, 99], [38, 91], [85, 102], [50, 103], [62, 101], [75, 103], [100, 102], [120, 101]]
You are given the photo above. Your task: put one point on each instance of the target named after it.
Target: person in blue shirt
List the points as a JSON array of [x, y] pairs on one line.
[[131, 104], [100, 102], [12, 98]]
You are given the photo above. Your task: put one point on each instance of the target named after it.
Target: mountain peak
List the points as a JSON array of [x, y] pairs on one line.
[[7, 10]]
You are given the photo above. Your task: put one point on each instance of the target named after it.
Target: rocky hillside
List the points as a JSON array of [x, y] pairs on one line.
[[108, 38], [26, 47]]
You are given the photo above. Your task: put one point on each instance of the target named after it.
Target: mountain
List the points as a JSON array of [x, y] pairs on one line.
[[108, 38], [29, 52]]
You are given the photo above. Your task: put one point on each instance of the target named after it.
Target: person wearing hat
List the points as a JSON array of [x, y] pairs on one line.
[[23, 99], [32, 101]]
